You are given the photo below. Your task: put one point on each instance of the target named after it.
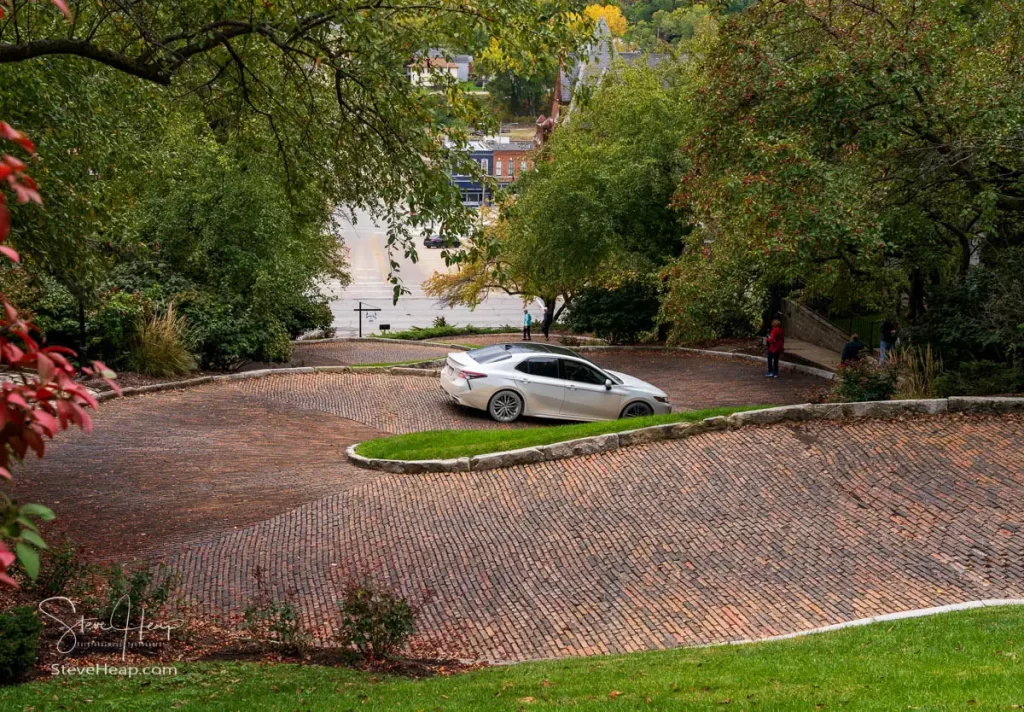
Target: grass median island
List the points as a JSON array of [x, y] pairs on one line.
[[446, 444], [967, 660]]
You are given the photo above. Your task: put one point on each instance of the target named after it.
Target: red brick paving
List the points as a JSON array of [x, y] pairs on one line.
[[729, 535], [693, 381], [347, 353], [162, 468], [726, 536]]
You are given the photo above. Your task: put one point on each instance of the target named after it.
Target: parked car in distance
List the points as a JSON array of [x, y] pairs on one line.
[[438, 241], [512, 380]]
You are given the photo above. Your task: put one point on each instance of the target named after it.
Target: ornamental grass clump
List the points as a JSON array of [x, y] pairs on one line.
[[916, 371], [160, 346]]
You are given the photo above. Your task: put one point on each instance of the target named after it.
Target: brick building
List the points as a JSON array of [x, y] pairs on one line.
[[512, 159]]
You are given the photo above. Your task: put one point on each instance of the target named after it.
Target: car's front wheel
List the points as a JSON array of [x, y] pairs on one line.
[[637, 410], [505, 406]]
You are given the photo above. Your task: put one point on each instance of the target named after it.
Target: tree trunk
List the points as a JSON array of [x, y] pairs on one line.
[[82, 348], [916, 295]]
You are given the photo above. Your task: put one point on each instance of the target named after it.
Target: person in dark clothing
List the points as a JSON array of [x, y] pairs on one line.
[[888, 339], [776, 345], [851, 352], [545, 323]]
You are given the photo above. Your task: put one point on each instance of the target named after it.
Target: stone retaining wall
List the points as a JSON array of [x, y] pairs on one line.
[[677, 431], [807, 325]]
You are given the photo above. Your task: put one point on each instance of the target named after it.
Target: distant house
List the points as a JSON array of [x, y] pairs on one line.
[[424, 72], [424, 69], [512, 159]]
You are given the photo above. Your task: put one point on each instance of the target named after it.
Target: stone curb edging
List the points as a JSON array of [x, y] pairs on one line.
[[678, 431], [784, 365], [385, 340], [421, 369], [377, 340], [857, 623], [884, 618]]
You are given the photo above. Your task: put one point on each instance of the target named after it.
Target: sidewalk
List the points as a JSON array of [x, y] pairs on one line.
[[815, 354]]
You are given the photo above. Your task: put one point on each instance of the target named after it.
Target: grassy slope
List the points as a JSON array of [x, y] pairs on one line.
[[971, 660], [442, 444]]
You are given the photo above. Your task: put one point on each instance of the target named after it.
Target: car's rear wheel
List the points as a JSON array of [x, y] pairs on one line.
[[637, 410], [505, 406]]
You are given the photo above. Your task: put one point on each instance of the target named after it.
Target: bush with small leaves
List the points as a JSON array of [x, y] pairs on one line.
[[375, 620], [61, 573], [274, 623], [19, 642], [128, 593], [862, 381]]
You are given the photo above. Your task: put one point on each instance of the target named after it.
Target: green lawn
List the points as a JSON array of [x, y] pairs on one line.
[[972, 660], [389, 364], [444, 444]]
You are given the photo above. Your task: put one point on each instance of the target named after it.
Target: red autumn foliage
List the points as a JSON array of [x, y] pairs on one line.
[[40, 394]]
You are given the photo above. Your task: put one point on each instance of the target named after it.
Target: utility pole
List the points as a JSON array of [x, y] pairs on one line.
[[362, 309]]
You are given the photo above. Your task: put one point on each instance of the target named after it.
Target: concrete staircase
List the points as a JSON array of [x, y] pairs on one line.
[[817, 355]]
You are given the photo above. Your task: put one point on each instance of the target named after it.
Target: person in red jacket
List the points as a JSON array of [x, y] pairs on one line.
[[776, 344]]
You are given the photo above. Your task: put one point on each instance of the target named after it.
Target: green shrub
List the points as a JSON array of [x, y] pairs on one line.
[[225, 336], [61, 573], [276, 623], [114, 327], [143, 590], [440, 322], [863, 380], [618, 315], [375, 620], [418, 333], [980, 378], [19, 642], [312, 315], [160, 346]]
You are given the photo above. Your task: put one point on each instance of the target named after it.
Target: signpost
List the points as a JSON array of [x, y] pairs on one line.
[[371, 317]]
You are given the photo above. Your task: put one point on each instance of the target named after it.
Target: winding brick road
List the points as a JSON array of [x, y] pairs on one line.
[[725, 536]]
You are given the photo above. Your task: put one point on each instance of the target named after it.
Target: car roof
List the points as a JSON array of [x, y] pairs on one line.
[[499, 352]]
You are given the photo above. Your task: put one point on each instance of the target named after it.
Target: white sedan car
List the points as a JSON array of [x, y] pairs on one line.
[[510, 380]]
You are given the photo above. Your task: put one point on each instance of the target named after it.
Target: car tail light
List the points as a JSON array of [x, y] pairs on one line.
[[470, 375]]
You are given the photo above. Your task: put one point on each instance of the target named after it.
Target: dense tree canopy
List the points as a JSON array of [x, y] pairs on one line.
[[859, 150], [196, 152], [596, 209]]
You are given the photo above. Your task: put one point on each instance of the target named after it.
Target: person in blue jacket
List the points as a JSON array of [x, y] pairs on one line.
[[527, 322]]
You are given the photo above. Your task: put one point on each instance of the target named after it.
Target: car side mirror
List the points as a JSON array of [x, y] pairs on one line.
[[607, 384]]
